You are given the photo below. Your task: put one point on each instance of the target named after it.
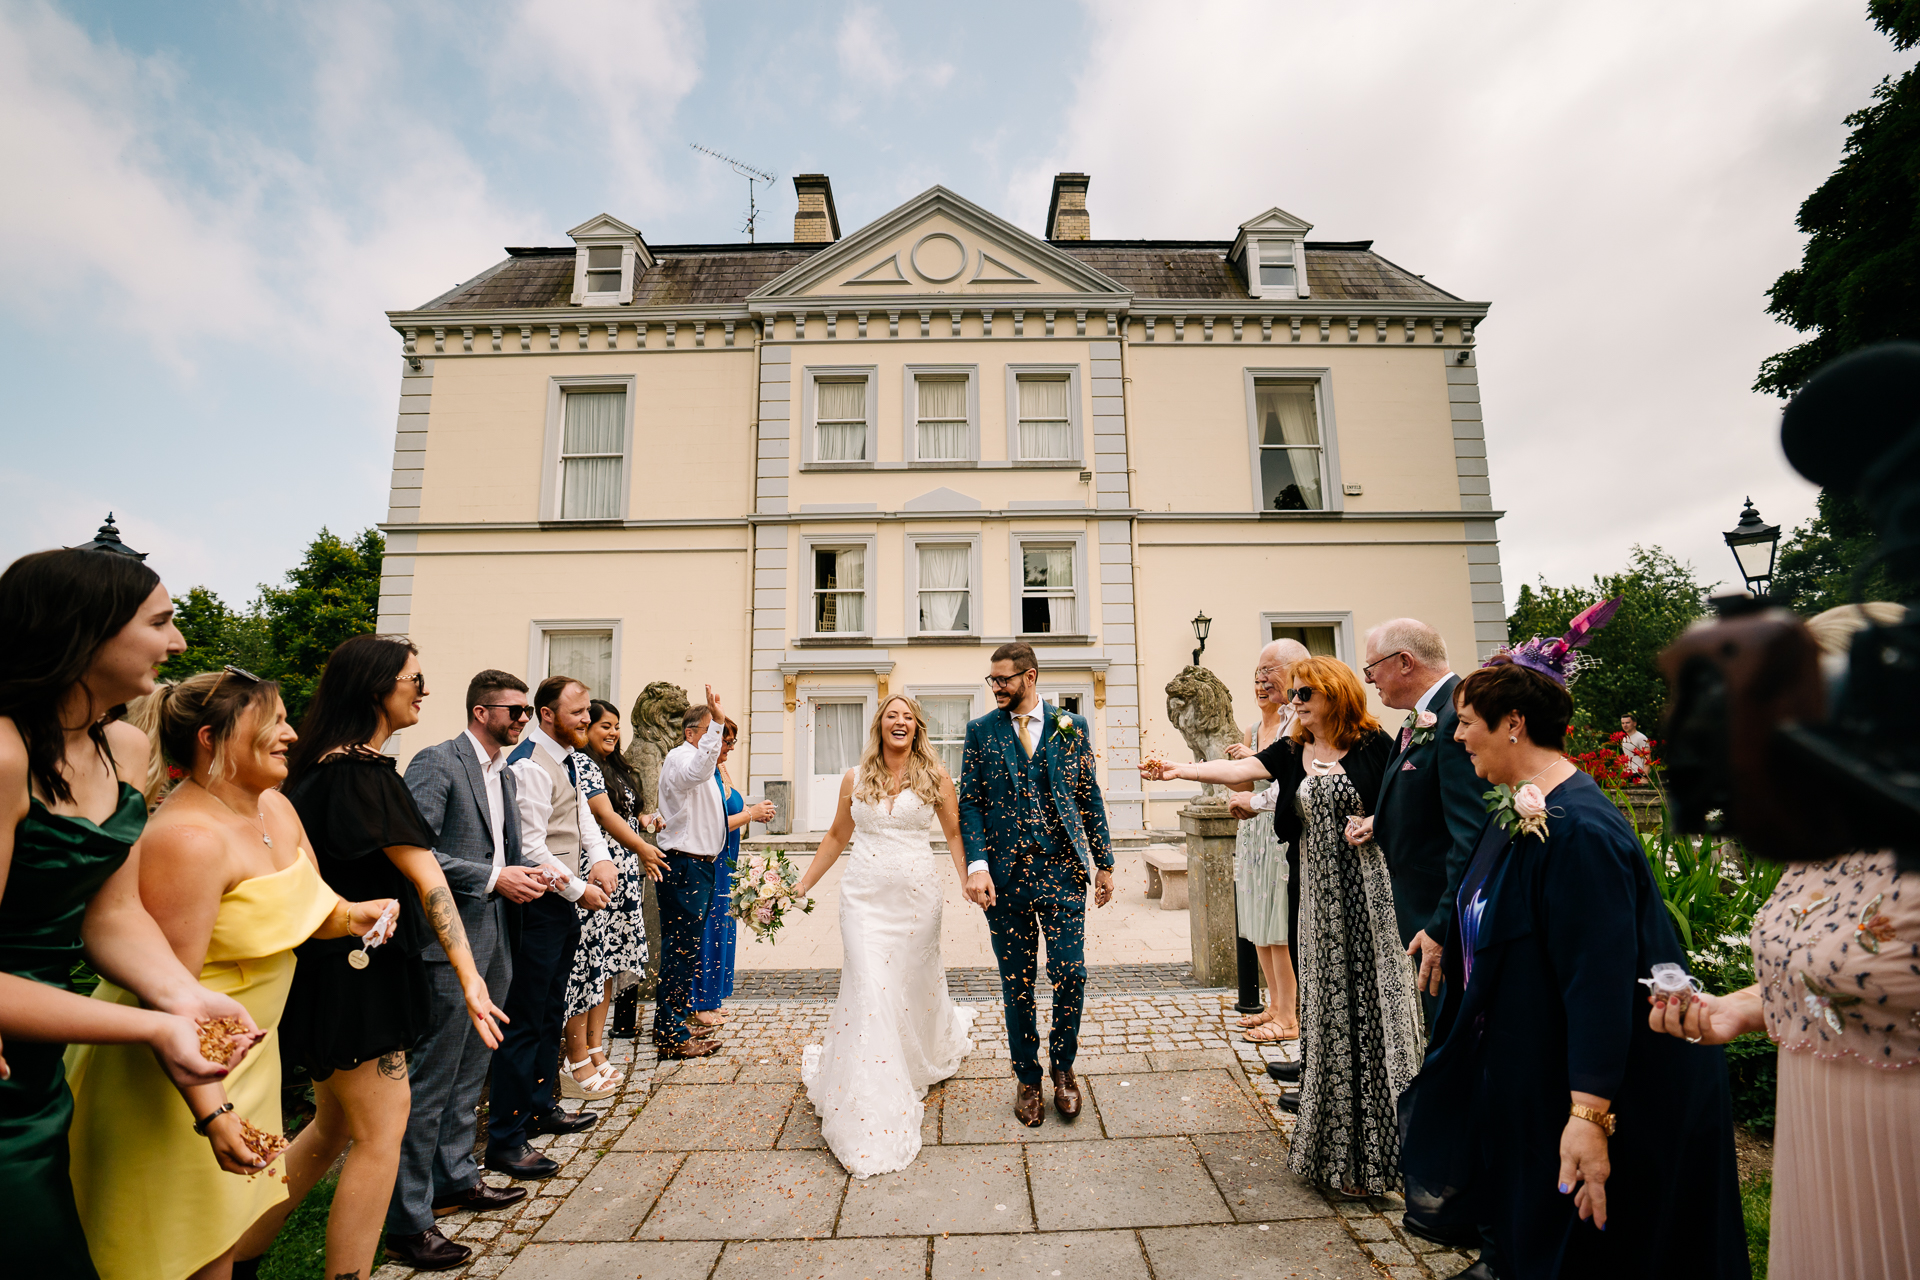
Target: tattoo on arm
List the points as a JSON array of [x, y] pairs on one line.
[[348, 1275], [394, 1065], [445, 917]]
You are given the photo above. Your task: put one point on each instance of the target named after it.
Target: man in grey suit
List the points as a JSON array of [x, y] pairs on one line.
[[466, 793]]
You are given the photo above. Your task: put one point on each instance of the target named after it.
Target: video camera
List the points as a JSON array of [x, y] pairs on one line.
[[1759, 744]]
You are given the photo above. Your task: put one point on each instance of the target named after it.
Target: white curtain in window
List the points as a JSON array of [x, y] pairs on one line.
[[1050, 569], [942, 419], [841, 412], [1044, 429], [842, 582], [1289, 440], [943, 588], [947, 729], [836, 736], [591, 449], [1286, 413], [586, 656]]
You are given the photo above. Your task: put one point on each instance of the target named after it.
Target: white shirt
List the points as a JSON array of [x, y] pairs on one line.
[[1636, 749], [694, 816], [1035, 723], [536, 811], [1427, 697], [492, 768]]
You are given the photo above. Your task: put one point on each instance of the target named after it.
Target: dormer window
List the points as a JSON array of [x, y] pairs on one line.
[[609, 257], [1271, 255], [603, 269]]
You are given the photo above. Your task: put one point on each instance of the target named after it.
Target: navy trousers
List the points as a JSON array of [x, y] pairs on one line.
[[1016, 932], [686, 895], [526, 1070]]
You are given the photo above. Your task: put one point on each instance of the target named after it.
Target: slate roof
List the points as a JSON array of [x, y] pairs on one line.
[[1198, 271], [707, 275]]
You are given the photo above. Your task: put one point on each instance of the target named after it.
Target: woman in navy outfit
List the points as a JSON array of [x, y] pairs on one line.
[[1549, 1126]]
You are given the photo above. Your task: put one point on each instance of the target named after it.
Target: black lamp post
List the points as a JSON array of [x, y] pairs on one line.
[[1754, 543], [1201, 625]]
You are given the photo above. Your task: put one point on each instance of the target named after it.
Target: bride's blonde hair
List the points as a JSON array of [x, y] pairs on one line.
[[873, 783]]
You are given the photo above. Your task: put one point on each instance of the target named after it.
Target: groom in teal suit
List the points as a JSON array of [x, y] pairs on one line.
[[1036, 834]]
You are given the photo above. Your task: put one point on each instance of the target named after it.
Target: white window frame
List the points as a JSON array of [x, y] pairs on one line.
[[1344, 641], [810, 377], [553, 473], [813, 696], [1074, 413], [974, 594], [974, 694], [1329, 436], [541, 629], [910, 413], [618, 297], [1286, 248], [809, 543], [1072, 687], [1017, 573]]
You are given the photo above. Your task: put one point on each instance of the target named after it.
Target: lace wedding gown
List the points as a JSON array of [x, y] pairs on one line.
[[893, 1031]]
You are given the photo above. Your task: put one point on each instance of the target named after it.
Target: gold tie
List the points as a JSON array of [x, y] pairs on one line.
[[1026, 743]]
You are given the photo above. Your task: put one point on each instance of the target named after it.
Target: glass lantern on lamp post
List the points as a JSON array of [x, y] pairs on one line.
[[1754, 543], [1201, 625]]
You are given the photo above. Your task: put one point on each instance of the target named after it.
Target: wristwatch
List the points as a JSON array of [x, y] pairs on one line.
[[1605, 1119]]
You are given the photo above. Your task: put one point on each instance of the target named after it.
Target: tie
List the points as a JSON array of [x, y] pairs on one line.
[[1406, 735], [1026, 743]]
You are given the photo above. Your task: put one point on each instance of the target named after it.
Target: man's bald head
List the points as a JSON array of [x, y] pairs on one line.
[[1282, 653], [1404, 658]]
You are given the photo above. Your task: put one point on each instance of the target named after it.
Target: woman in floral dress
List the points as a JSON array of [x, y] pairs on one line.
[[613, 942]]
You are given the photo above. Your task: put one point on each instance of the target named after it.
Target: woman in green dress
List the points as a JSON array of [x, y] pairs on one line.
[[86, 630]]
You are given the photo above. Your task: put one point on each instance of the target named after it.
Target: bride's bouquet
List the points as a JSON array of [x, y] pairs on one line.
[[763, 893]]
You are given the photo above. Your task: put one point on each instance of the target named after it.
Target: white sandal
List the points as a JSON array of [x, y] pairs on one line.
[[613, 1074], [593, 1088]]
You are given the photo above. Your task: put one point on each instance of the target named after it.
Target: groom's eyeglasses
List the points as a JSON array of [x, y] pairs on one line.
[[1005, 682]]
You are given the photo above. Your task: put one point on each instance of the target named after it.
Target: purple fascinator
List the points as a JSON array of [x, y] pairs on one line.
[[1558, 659]]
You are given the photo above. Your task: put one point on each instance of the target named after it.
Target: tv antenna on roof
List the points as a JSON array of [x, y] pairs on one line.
[[751, 174]]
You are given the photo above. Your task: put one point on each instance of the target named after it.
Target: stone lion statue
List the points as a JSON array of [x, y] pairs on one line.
[[1201, 708], [656, 731]]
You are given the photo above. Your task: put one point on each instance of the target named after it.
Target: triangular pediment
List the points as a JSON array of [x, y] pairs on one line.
[[601, 226], [1274, 222], [942, 499], [938, 244]]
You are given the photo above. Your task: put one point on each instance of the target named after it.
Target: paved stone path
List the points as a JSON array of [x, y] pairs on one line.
[[969, 985], [715, 1170]]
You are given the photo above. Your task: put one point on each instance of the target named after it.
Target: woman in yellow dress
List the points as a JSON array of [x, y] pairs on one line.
[[226, 874]]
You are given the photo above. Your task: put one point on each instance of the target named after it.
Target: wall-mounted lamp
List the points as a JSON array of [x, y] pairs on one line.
[[1201, 625]]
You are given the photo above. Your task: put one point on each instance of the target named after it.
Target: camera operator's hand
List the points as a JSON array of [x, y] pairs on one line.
[[1704, 1019]]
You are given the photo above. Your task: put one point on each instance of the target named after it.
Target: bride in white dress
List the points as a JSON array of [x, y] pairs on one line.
[[893, 1031]]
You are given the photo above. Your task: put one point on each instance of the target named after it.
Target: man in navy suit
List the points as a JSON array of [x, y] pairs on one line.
[[1035, 829], [1431, 806]]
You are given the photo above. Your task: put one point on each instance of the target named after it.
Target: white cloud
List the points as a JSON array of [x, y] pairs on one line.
[[1620, 181], [871, 55]]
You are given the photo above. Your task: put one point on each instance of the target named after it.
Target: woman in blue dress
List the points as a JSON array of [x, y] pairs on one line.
[[1550, 1126], [713, 979]]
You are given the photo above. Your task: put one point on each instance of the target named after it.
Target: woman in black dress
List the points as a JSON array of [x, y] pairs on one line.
[[1550, 1126], [353, 1013]]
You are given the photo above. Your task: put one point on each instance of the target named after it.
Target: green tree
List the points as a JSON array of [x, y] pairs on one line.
[[1815, 567], [332, 595], [216, 635], [1858, 281], [1619, 675]]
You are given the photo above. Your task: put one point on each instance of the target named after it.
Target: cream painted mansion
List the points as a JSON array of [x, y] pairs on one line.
[[816, 472]]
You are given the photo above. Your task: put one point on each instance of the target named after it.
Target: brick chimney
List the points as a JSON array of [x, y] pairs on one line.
[[1067, 212], [815, 221]]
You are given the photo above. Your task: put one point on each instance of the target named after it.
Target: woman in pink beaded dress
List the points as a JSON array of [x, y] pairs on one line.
[[1837, 953]]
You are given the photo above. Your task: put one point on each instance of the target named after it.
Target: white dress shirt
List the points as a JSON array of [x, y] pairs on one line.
[[1427, 697], [1035, 723], [536, 810], [492, 768], [693, 815]]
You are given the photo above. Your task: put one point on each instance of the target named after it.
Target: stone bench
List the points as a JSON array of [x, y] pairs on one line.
[[1166, 875]]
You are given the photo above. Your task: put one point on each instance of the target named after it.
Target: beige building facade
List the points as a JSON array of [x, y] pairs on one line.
[[816, 472]]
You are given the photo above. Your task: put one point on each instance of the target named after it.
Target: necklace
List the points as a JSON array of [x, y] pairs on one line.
[[265, 839], [1556, 760]]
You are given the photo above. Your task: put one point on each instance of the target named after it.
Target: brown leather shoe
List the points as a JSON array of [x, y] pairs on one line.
[[688, 1049], [1066, 1093], [428, 1251], [479, 1197], [1029, 1107]]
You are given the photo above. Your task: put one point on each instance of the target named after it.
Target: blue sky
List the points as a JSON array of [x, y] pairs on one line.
[[208, 208]]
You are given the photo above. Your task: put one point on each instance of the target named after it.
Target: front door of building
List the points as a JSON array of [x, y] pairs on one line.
[[838, 734]]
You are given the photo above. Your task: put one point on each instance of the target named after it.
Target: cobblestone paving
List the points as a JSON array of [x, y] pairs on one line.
[[969, 985], [714, 1169]]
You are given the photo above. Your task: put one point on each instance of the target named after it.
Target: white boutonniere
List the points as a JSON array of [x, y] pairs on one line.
[[1064, 726], [1520, 811], [1422, 723]]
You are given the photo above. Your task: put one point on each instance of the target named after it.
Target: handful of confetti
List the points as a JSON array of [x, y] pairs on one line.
[[763, 893], [267, 1146], [1152, 763], [221, 1038]]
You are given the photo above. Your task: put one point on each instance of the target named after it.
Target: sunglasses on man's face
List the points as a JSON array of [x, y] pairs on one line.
[[514, 710]]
